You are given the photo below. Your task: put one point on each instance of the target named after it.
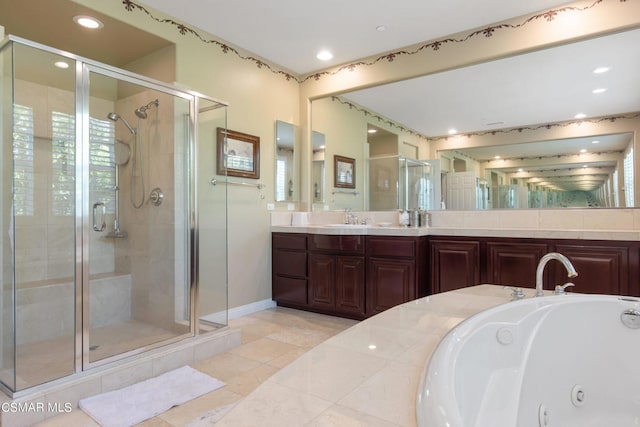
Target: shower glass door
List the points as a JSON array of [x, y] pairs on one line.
[[135, 215]]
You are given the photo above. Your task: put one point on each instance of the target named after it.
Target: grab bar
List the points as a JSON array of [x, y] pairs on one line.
[[103, 212]]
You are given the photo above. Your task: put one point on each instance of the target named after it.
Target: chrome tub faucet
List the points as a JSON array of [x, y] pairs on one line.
[[571, 271]]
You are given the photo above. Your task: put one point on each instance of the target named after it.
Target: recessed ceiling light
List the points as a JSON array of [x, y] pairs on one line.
[[580, 116], [496, 157], [601, 70], [87, 21], [324, 55], [372, 130], [452, 131], [599, 90], [584, 150], [595, 142], [61, 64], [584, 166]]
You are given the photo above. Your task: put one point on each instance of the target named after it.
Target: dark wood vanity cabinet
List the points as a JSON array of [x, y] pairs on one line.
[[359, 276], [348, 275], [604, 267], [601, 268], [514, 262], [396, 271], [289, 268], [336, 274], [454, 263]]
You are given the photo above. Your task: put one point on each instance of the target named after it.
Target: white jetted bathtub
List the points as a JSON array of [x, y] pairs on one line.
[[556, 361]]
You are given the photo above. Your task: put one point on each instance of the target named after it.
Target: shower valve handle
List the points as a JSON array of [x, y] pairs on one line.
[[103, 211]]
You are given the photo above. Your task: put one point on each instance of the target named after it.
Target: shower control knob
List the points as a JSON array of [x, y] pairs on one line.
[[156, 196]]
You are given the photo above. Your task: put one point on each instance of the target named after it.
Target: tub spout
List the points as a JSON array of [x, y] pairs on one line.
[[571, 271]]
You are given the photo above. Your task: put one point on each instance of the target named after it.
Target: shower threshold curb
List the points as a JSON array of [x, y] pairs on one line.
[[61, 396]]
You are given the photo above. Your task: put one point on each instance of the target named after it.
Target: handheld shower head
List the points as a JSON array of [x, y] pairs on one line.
[[142, 111], [115, 117]]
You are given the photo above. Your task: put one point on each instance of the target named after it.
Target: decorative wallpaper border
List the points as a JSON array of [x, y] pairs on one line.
[[546, 126], [487, 32], [378, 117]]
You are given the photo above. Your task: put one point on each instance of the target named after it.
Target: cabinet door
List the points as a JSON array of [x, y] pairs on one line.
[[601, 269], [389, 282], [454, 264], [350, 284], [322, 276], [514, 264]]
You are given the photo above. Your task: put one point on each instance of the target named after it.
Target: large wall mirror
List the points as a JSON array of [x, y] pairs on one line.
[[519, 141]]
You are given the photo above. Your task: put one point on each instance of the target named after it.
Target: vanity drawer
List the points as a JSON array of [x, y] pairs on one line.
[[289, 241], [336, 244], [290, 263], [391, 246]]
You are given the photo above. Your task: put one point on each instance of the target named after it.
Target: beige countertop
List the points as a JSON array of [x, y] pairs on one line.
[[368, 374], [375, 230]]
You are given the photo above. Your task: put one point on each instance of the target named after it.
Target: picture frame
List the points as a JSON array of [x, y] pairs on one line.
[[238, 154], [344, 170]]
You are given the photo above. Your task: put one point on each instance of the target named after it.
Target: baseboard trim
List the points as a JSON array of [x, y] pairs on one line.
[[243, 310]]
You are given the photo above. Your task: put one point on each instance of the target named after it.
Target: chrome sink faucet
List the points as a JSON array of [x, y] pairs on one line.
[[349, 217], [571, 271]]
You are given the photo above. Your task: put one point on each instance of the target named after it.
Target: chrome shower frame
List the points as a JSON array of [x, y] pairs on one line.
[[83, 68]]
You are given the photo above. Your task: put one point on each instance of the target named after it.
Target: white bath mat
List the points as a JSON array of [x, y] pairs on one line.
[[146, 399]]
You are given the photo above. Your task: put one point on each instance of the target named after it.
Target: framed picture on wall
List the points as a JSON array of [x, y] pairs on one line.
[[238, 154], [344, 169]]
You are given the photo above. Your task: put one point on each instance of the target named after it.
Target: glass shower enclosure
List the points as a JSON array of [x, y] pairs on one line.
[[398, 182], [99, 239]]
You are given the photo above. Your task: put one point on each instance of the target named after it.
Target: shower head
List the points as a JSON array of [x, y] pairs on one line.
[[115, 117], [142, 111]]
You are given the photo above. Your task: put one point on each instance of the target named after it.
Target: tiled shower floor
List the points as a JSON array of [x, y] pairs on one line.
[[44, 361], [271, 339]]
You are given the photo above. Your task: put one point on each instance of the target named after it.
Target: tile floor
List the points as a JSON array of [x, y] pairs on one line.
[[271, 339]]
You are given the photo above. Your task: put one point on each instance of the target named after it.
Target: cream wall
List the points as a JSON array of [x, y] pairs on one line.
[[258, 96]]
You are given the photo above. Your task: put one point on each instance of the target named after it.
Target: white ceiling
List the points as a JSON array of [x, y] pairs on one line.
[[548, 86], [291, 32]]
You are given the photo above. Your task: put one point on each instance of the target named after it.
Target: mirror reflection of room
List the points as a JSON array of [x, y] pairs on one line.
[[287, 164]]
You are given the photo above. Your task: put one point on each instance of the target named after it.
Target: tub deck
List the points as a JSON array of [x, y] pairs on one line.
[[368, 374]]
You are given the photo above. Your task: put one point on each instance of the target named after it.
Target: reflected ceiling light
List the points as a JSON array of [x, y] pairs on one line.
[[584, 150], [381, 28], [321, 147], [61, 64], [372, 130], [520, 170], [372, 347], [601, 70], [87, 21], [324, 55], [452, 131], [580, 116], [496, 157], [599, 90]]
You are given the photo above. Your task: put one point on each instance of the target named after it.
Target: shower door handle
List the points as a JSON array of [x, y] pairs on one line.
[[99, 206]]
